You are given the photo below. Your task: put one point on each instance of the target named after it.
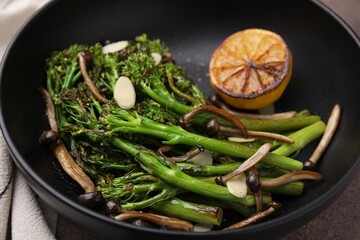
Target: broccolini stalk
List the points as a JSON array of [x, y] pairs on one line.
[[123, 121], [103, 157], [196, 198], [152, 81], [189, 211], [223, 169], [63, 69], [171, 174], [280, 125], [294, 188], [208, 170], [276, 125], [302, 137], [136, 190]]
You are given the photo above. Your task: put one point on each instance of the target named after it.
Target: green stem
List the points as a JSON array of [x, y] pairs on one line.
[[70, 80], [208, 170], [223, 169], [294, 188], [189, 211], [302, 137], [276, 126], [148, 202], [243, 210], [176, 135], [160, 94], [129, 188], [174, 176], [280, 125]]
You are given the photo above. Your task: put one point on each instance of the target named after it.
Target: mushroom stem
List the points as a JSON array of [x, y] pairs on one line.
[[212, 127], [259, 135], [72, 169], [215, 100], [326, 138], [249, 163], [50, 109], [62, 154], [184, 120], [190, 154], [253, 183], [259, 201], [84, 57], [270, 136], [256, 217], [170, 223], [291, 177]]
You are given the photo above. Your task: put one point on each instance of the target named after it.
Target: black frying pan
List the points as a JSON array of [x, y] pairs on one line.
[[326, 61]]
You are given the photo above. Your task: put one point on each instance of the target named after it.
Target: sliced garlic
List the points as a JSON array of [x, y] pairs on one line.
[[240, 139], [157, 57], [115, 47], [124, 93], [203, 158], [203, 227], [237, 185]]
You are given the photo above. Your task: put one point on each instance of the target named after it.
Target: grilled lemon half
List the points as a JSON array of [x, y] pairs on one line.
[[251, 68]]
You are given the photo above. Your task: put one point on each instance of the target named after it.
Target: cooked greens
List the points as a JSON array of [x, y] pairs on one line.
[[118, 148]]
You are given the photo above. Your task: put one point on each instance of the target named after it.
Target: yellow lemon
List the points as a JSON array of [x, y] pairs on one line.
[[251, 68]]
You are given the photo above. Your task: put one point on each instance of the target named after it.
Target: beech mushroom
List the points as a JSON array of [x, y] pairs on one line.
[[273, 206], [62, 154], [112, 207], [162, 221], [253, 183], [326, 138], [256, 135], [49, 137], [184, 120], [291, 177], [249, 163], [84, 57], [92, 200], [196, 155], [236, 181], [212, 127]]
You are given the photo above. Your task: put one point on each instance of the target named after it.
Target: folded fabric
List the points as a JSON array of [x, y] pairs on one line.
[[23, 214], [6, 182]]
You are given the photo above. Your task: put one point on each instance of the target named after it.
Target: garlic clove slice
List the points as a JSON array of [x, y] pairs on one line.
[[157, 57], [203, 227], [124, 93], [237, 185], [240, 139], [115, 47], [203, 158]]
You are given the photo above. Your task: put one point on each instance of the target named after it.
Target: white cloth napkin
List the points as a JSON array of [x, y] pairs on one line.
[[23, 215]]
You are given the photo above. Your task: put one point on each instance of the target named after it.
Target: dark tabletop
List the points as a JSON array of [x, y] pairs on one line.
[[340, 221]]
